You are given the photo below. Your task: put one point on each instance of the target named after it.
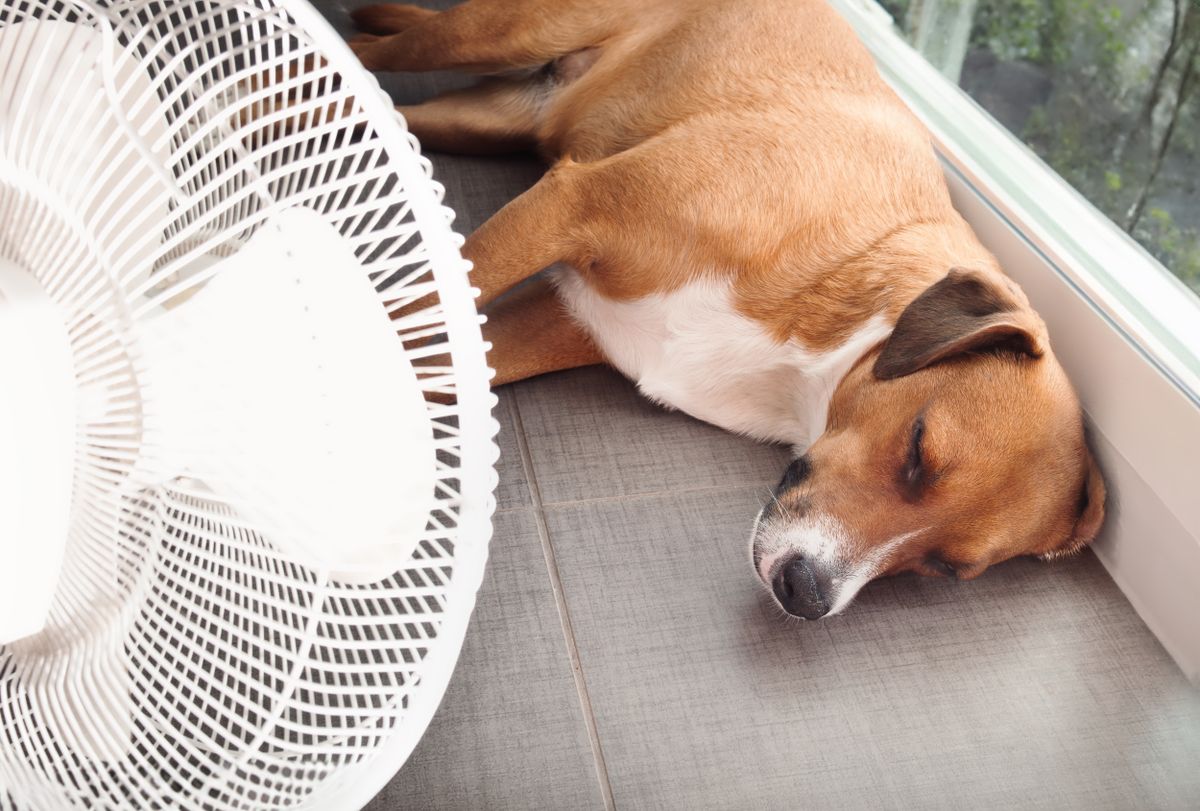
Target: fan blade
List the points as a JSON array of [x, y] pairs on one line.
[[83, 115], [283, 387]]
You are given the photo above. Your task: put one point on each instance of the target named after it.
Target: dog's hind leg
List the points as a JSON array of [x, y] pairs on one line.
[[532, 334], [389, 18], [484, 36], [495, 116]]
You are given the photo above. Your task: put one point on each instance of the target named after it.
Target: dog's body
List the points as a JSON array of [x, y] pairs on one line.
[[753, 227]]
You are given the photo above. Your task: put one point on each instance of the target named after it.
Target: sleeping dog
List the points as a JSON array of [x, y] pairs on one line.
[[749, 224]]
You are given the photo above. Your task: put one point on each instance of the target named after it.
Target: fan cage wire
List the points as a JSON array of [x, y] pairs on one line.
[[305, 692]]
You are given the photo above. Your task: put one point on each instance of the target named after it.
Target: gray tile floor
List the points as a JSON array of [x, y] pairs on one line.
[[622, 651], [622, 654]]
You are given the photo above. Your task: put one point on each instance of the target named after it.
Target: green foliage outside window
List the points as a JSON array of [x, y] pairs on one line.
[[1105, 91]]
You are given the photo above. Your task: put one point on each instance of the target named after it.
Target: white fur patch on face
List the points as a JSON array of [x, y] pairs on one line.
[[825, 542], [866, 571], [819, 539]]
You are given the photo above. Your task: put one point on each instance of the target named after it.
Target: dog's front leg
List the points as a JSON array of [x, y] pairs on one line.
[[532, 232]]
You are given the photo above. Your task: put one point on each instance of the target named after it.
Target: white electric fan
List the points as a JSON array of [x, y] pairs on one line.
[[246, 453]]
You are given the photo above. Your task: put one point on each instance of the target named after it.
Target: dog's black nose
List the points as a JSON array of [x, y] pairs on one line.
[[802, 590]]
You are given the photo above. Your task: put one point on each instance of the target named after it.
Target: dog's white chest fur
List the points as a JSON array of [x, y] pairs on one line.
[[691, 350]]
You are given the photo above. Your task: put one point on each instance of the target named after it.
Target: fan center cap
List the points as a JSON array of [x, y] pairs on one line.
[[37, 444]]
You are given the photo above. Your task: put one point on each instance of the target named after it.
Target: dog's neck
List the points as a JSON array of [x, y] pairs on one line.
[[828, 303]]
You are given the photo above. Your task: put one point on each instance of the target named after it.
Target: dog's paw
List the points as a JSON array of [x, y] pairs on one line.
[[389, 18], [370, 50]]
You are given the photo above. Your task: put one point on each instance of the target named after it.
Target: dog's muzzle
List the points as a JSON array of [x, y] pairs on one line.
[[799, 558]]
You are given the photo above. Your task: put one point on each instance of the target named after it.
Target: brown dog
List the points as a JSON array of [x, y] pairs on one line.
[[756, 230]]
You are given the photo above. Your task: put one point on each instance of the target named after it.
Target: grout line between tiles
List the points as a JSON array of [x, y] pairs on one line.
[[681, 491], [564, 616]]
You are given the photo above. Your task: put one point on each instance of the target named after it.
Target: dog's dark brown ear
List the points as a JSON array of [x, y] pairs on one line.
[[965, 311], [1091, 513]]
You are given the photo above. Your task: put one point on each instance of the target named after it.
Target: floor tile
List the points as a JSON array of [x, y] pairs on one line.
[[591, 435], [1034, 686], [510, 731]]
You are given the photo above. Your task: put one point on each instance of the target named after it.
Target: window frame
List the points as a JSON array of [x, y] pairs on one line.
[[1127, 332]]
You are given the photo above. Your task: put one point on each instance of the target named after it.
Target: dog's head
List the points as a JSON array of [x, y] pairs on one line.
[[957, 444]]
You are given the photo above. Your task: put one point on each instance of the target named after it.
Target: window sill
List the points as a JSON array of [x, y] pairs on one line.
[[1127, 332]]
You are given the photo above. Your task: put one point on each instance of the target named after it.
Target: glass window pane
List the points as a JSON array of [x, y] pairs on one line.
[[1105, 91]]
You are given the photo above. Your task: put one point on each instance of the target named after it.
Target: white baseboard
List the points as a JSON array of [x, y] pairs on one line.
[[1143, 429]]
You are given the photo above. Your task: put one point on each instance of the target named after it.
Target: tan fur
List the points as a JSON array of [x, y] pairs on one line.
[[753, 140]]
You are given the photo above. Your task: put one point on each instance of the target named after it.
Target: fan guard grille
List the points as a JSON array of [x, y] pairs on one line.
[[222, 672]]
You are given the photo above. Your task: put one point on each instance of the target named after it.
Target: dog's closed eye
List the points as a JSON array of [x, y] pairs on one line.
[[914, 474], [941, 567], [796, 472]]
